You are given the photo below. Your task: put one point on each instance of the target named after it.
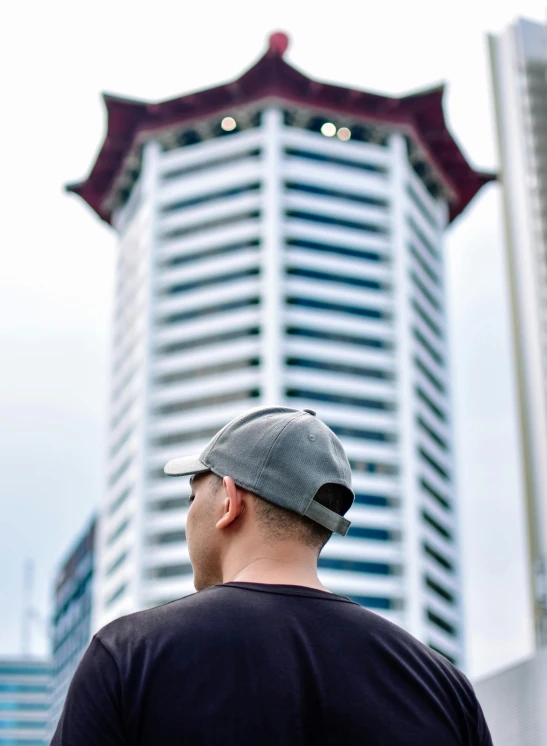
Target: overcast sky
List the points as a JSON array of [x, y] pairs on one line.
[[57, 260]]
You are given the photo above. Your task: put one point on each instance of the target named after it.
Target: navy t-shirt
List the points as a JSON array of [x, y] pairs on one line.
[[250, 663]]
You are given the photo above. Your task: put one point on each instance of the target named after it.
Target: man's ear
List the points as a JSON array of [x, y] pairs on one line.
[[233, 505]]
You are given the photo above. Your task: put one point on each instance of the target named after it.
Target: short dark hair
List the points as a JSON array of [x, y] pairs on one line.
[[279, 523]]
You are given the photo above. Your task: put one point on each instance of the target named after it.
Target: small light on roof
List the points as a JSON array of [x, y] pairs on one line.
[[228, 124], [328, 129], [344, 133]]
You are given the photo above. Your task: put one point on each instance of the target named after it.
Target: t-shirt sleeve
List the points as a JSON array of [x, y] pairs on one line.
[[92, 715]]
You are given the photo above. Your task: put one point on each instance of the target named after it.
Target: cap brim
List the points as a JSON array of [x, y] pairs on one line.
[[179, 467]]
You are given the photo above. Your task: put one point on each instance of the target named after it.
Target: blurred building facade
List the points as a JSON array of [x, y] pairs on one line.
[[24, 701], [71, 623], [513, 702], [519, 75], [281, 242]]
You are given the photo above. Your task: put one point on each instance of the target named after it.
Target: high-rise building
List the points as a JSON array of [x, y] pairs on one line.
[[519, 75], [71, 623], [24, 701], [513, 701], [281, 242]]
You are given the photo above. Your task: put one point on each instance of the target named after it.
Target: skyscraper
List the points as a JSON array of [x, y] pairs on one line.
[[280, 242], [519, 74], [71, 623], [24, 701]]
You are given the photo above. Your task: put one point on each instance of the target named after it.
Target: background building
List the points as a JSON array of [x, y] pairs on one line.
[[513, 702], [519, 73], [24, 701], [71, 624], [281, 243]]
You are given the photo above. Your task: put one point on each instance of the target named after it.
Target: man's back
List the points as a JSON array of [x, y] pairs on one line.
[[266, 664]]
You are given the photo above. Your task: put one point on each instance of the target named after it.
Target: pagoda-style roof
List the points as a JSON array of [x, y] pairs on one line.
[[419, 115]]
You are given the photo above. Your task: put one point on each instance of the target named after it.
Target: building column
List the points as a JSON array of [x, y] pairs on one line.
[[413, 612], [272, 259]]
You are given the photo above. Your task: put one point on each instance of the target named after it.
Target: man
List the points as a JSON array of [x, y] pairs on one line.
[[264, 654]]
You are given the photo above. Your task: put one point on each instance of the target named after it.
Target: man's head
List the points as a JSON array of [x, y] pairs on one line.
[[225, 519], [271, 476]]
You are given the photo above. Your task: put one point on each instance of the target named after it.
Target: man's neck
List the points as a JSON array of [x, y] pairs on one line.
[[276, 571]]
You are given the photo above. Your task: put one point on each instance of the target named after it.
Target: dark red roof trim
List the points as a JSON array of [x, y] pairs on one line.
[[420, 114]]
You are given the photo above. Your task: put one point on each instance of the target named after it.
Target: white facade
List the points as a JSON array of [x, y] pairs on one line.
[[513, 702], [519, 72], [275, 265], [24, 701]]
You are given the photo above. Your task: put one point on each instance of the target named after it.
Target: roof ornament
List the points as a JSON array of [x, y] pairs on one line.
[[278, 44]]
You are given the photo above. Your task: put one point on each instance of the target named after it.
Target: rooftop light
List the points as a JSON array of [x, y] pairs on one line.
[[328, 129], [344, 133], [228, 124]]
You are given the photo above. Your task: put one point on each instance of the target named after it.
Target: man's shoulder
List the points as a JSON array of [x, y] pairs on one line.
[[183, 614]]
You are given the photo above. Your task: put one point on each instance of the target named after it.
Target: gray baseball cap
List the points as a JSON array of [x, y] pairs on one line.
[[283, 455]]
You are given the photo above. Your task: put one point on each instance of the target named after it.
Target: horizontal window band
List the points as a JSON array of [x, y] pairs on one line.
[[428, 458], [424, 240], [448, 657], [419, 285], [177, 438], [439, 590], [362, 199], [169, 503], [361, 566], [118, 593], [378, 602], [210, 251], [331, 277], [435, 437], [355, 370], [437, 525], [341, 337], [206, 401], [439, 558], [205, 371], [368, 532], [185, 287], [435, 494], [118, 532], [431, 377], [170, 571], [373, 467], [424, 265], [328, 248], [374, 404], [428, 347], [202, 199], [119, 500], [207, 225], [168, 537], [118, 562], [311, 155], [377, 501], [355, 225], [430, 404], [203, 312], [205, 165], [192, 344], [425, 211], [322, 305], [441, 623], [424, 316]]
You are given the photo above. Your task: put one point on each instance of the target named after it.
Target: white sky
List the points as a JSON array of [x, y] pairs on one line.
[[57, 260]]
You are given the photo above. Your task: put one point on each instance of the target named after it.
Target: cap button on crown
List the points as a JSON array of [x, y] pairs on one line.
[[309, 411]]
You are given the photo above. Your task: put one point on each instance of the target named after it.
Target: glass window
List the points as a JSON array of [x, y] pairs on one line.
[[225, 279], [335, 160], [436, 525], [207, 370], [353, 565], [202, 312], [210, 197], [187, 230], [211, 339], [428, 347], [355, 370], [441, 623], [376, 404], [358, 282], [330, 336], [435, 437], [362, 199], [176, 173], [168, 537], [435, 494], [322, 305], [207, 401], [433, 380], [328, 248], [376, 602], [428, 458], [118, 593], [424, 265], [439, 558], [377, 501], [439, 590], [356, 225], [430, 404], [208, 252], [367, 532]]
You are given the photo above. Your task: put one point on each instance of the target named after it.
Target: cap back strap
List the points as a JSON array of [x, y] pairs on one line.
[[327, 518]]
